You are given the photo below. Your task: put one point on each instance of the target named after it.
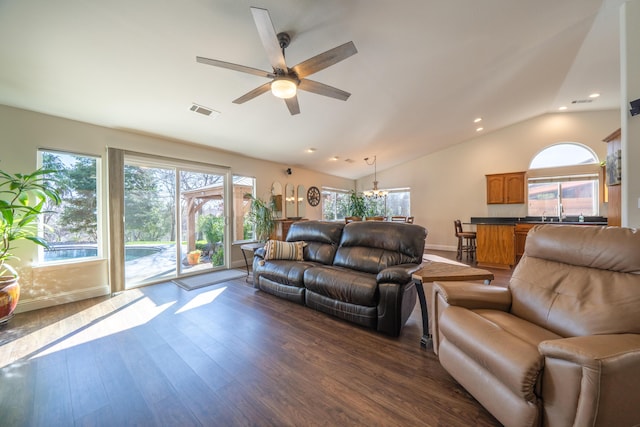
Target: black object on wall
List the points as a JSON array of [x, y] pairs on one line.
[[635, 107]]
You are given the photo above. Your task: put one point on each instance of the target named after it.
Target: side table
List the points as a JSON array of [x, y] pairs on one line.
[[433, 271], [249, 247]]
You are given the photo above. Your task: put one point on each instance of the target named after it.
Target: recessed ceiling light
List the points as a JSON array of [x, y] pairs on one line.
[[334, 158], [311, 150], [477, 120], [564, 107], [594, 95], [480, 129]]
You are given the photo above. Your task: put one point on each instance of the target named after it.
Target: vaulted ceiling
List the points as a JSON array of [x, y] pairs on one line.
[[425, 69]]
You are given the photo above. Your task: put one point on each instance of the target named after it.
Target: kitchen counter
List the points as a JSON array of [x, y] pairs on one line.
[[500, 241], [589, 220]]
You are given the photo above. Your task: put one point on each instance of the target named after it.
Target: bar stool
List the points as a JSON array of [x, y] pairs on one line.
[[466, 241]]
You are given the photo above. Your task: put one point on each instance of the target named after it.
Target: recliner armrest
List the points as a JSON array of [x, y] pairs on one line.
[[399, 274], [591, 380], [473, 295], [591, 351]]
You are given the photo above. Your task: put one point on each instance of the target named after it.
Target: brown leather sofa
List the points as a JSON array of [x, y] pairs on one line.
[[561, 345], [360, 272]]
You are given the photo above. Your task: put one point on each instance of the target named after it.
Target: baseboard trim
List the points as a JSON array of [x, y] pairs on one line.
[[442, 248], [62, 298]]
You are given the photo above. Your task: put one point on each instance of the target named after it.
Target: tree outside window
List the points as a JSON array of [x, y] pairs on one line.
[[72, 226]]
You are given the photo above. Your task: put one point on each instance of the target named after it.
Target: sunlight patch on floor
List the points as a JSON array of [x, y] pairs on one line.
[[202, 299], [99, 325]]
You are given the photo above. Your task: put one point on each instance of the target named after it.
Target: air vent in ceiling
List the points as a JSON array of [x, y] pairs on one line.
[[582, 101], [349, 160], [204, 110]]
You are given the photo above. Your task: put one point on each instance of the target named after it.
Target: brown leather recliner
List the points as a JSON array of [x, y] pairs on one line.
[[561, 345]]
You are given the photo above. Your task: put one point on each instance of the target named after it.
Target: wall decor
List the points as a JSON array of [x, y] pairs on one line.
[[313, 196]]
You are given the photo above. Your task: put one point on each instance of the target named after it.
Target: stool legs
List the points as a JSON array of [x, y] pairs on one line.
[[468, 246]]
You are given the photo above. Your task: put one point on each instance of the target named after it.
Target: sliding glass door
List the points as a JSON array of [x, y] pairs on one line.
[[203, 221], [174, 220]]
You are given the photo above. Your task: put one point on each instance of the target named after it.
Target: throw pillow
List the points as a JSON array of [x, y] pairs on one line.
[[276, 249]]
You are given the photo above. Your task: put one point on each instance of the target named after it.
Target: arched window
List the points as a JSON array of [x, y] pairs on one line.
[[563, 181], [563, 154]]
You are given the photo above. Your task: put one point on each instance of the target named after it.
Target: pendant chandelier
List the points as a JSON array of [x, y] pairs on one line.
[[374, 192]]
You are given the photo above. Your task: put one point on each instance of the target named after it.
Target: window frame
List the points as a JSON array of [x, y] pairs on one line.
[[553, 174], [100, 210], [253, 194]]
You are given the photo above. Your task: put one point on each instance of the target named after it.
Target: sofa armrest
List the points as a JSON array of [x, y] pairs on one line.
[[473, 295], [400, 274], [591, 380], [259, 252], [397, 297]]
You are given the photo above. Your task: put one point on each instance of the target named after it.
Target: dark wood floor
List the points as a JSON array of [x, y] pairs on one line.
[[223, 355]]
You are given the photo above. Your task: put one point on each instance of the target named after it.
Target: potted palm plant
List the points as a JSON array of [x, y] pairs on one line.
[[261, 216], [22, 199]]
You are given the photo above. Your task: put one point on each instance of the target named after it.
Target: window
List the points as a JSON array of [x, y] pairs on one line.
[[72, 227], [335, 203], [398, 202], [564, 154], [564, 181], [242, 186]]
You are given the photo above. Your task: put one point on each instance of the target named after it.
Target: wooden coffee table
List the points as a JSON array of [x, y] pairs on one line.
[[433, 271]]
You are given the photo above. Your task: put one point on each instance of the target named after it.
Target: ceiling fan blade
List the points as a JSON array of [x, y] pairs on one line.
[[323, 89], [269, 38], [250, 95], [324, 60], [234, 67], [292, 105]]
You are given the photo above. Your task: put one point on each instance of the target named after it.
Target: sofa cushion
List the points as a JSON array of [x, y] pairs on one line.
[[342, 284], [275, 249], [321, 238], [372, 246], [285, 271], [505, 346]]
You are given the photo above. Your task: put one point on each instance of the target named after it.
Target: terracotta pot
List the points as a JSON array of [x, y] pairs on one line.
[[193, 258], [9, 295]]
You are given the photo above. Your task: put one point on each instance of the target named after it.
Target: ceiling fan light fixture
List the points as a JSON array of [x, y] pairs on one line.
[[284, 88]]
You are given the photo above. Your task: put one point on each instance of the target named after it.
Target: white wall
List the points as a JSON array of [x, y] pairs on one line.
[[630, 90], [450, 184], [22, 133]]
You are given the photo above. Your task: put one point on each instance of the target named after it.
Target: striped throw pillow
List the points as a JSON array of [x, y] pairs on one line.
[[276, 249]]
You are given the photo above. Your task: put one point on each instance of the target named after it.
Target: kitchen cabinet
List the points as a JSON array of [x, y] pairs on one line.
[[495, 245], [520, 235], [506, 188]]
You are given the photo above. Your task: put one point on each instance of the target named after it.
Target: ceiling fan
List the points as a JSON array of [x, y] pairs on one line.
[[286, 81]]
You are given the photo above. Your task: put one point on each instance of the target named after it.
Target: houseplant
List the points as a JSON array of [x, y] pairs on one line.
[[261, 216], [22, 200], [357, 204]]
